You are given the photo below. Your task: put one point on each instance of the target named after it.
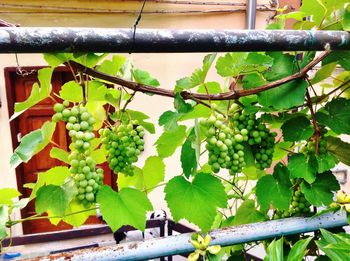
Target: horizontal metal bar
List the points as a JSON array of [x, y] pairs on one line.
[[38, 40], [178, 244]]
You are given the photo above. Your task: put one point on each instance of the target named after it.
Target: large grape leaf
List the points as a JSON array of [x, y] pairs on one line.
[[7, 195], [325, 161], [335, 114], [126, 207], [283, 65], [188, 155], [170, 140], [196, 201], [339, 149], [52, 199], [247, 213], [112, 66], [97, 91], [147, 178], [32, 143], [37, 93], [320, 192], [315, 9], [72, 91], [301, 167], [297, 129], [284, 96], [324, 72], [76, 214], [335, 246], [275, 189], [169, 120], [60, 154], [144, 77], [341, 57], [198, 76]]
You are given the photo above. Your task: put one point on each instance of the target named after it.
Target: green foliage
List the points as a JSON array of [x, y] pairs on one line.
[[275, 189], [190, 199], [147, 178], [3, 220], [32, 143], [339, 149], [300, 166], [247, 213], [299, 249], [38, 93], [72, 91], [189, 155], [334, 246], [335, 115], [320, 192], [297, 129], [274, 251], [144, 77], [7, 195], [170, 140], [60, 154], [129, 205]]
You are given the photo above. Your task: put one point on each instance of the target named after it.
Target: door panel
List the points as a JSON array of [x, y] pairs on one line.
[[18, 89]]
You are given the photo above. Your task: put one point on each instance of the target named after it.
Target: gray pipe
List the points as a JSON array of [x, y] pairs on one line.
[[251, 14], [178, 244]]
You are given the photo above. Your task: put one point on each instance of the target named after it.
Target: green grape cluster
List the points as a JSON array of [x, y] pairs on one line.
[[123, 143], [224, 144], [79, 123], [299, 206], [257, 135]]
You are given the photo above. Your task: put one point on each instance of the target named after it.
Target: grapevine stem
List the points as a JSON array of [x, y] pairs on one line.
[[235, 94], [314, 121]]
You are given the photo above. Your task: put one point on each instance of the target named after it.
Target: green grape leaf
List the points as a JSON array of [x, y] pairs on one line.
[[328, 239], [135, 181], [335, 115], [199, 111], [198, 76], [7, 195], [55, 59], [88, 59], [72, 91], [299, 249], [144, 77], [297, 129], [320, 192], [314, 8], [275, 189], [247, 213], [32, 143], [234, 64], [128, 205], [252, 173], [169, 120], [301, 167], [253, 80], [112, 96], [98, 112], [96, 91], [57, 153], [53, 199], [346, 19], [99, 156], [153, 172], [180, 105], [209, 87], [191, 201], [324, 72], [284, 96], [325, 162], [113, 66], [170, 140], [282, 150], [188, 155], [339, 149], [340, 57], [37, 93], [4, 213], [81, 214], [274, 251], [54, 176], [283, 65], [141, 117]]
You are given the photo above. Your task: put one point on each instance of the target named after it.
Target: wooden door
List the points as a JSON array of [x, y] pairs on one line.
[[18, 89]]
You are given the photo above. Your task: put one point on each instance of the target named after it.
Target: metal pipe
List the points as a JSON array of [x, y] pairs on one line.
[[178, 244], [39, 40], [251, 14]]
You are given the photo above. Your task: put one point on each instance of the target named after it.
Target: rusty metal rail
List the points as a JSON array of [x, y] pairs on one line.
[[178, 244], [46, 39]]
